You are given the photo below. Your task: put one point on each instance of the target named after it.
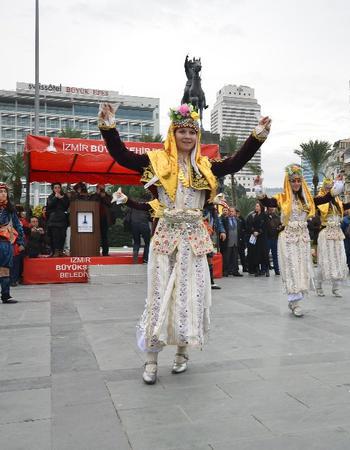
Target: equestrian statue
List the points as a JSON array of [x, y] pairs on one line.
[[193, 92]]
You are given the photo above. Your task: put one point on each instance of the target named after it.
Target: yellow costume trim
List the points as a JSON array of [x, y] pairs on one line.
[[157, 208], [285, 199], [165, 166], [328, 209], [257, 137], [104, 126]]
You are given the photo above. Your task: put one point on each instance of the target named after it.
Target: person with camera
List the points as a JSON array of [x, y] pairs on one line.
[[35, 242]]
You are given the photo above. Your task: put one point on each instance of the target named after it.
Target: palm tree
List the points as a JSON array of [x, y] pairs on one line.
[[12, 169], [246, 205], [316, 154], [229, 146], [150, 138]]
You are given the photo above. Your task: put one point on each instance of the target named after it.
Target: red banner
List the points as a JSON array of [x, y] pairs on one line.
[[76, 269], [74, 160]]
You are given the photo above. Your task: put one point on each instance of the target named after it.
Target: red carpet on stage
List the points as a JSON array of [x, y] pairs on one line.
[[74, 269]]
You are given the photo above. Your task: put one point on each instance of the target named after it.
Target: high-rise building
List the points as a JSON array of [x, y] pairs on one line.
[[236, 111], [64, 107]]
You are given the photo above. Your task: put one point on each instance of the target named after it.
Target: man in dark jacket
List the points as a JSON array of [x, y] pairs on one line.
[[274, 226], [104, 200], [230, 244], [56, 210], [242, 240], [140, 227]]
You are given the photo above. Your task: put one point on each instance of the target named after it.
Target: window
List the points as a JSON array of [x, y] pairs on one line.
[[9, 134], [21, 134], [134, 113], [53, 123], [86, 110], [56, 109], [8, 120], [8, 106], [23, 121], [9, 147]]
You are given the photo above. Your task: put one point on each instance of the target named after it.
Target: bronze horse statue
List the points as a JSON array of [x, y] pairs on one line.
[[193, 92]]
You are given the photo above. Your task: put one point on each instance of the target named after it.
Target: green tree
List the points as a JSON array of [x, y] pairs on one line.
[[150, 138], [316, 154], [12, 169], [72, 133], [246, 205], [229, 146]]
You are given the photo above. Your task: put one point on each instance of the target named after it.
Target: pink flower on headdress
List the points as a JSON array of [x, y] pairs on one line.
[[184, 110]]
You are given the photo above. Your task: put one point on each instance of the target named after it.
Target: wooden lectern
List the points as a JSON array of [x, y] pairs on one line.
[[85, 228]]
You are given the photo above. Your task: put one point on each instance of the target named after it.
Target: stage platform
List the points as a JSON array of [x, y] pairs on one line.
[[75, 269]]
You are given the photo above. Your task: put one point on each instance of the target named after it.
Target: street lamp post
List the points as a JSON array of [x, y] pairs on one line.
[[36, 101]]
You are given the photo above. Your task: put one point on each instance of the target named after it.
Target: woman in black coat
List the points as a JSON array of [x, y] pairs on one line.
[[257, 251], [57, 219]]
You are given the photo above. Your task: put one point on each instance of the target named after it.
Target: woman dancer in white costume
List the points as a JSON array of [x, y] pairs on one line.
[[181, 181], [331, 256], [294, 250]]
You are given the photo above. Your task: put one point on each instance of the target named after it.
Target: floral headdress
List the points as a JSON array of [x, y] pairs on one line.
[[184, 116], [294, 170]]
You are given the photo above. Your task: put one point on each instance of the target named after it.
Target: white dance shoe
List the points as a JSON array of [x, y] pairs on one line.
[[180, 363], [150, 373], [296, 309]]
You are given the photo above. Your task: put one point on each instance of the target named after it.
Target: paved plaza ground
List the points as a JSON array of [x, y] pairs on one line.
[[70, 373]]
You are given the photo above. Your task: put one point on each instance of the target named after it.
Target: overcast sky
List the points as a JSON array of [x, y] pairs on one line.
[[295, 54]]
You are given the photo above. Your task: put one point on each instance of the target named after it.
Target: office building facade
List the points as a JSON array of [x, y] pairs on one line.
[[63, 107]]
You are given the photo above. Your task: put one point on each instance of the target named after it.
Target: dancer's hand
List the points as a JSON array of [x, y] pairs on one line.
[[222, 237], [106, 118], [265, 122], [258, 180], [262, 130], [219, 199], [338, 186], [119, 197]]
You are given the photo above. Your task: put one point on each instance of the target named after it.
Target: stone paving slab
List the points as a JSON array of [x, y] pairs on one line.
[[26, 435], [70, 372]]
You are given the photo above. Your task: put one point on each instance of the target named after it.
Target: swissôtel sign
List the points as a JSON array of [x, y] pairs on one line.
[[58, 89]]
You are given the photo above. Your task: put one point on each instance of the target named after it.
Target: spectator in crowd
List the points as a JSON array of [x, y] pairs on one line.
[[35, 242], [104, 200], [215, 228], [80, 192], [18, 255], [314, 227], [274, 226], [43, 224], [242, 231], [222, 244], [57, 210], [257, 245], [345, 226], [140, 227], [10, 231], [230, 244]]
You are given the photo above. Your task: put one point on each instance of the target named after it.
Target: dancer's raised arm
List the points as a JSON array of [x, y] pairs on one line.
[[115, 146]]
